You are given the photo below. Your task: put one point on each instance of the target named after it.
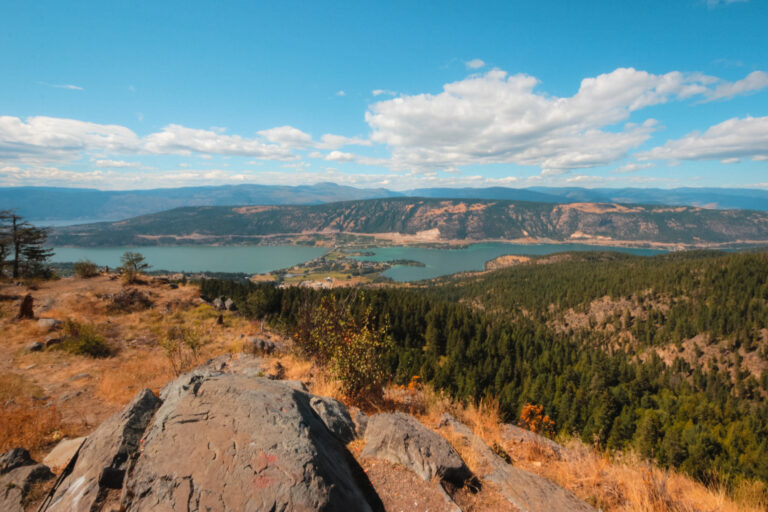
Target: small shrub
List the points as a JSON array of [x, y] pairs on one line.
[[354, 352], [86, 269], [182, 346], [84, 340], [133, 266], [129, 300], [533, 418]]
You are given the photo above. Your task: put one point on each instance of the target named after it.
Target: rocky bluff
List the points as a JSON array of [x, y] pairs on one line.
[[222, 438]]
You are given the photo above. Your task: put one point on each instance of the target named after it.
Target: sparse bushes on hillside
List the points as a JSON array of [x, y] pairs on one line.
[[86, 269], [182, 346], [84, 340]]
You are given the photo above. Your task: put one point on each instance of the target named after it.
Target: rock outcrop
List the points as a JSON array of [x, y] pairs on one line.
[[216, 440], [224, 438], [526, 491], [400, 438], [18, 472], [101, 462]]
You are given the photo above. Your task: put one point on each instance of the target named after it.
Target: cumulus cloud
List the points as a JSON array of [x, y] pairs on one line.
[[180, 140], [496, 118], [41, 139], [754, 81], [633, 167], [287, 136], [338, 156], [385, 92], [732, 139], [115, 164], [475, 64], [331, 141]]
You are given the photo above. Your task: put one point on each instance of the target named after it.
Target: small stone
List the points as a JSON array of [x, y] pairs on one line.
[[35, 347], [48, 323]]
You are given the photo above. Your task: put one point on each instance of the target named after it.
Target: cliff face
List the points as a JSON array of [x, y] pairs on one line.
[[441, 219]]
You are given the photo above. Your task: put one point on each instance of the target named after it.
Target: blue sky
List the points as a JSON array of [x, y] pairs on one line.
[[127, 95]]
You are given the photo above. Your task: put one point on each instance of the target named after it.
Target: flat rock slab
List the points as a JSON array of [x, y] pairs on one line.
[[62, 453], [103, 458], [232, 443], [526, 491], [400, 438]]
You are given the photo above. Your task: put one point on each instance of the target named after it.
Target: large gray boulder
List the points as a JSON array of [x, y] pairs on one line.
[[222, 441], [18, 472], [103, 458], [400, 438], [335, 416], [526, 491]]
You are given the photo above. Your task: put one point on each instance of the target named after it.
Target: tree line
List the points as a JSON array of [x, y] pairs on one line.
[[690, 417]]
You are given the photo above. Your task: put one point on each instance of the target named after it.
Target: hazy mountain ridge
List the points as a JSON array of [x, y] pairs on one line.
[[431, 220], [49, 203]]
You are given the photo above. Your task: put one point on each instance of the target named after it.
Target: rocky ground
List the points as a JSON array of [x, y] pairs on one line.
[[258, 427], [223, 438]]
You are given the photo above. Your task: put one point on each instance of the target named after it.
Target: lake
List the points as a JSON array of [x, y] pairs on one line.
[[260, 259], [249, 260], [440, 262]]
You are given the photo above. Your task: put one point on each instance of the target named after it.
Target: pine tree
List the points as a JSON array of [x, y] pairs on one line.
[[24, 244]]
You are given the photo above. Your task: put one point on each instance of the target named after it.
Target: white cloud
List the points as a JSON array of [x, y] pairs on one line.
[[287, 136], [47, 139], [338, 156], [176, 139], [386, 92], [115, 164], [732, 160], [760, 158], [734, 138], [341, 93], [633, 167], [474, 64], [331, 141], [753, 82], [496, 118], [69, 87]]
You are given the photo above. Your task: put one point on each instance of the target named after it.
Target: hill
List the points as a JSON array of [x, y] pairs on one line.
[[80, 204], [430, 220], [207, 418], [50, 203], [665, 355]]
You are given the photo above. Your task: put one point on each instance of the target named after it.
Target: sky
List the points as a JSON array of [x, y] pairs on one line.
[[396, 94]]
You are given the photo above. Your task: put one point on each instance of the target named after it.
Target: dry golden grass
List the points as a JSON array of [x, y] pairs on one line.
[[622, 483], [25, 419], [119, 384]]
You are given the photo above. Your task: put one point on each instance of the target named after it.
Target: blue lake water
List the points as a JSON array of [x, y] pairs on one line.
[[260, 259], [250, 260], [440, 262]]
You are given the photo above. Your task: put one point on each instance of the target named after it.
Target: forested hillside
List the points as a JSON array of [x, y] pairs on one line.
[[588, 337], [430, 220]]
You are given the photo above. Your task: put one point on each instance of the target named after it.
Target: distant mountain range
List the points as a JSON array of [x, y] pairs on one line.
[[56, 204], [430, 220]]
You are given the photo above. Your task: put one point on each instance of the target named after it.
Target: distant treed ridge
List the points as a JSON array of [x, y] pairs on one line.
[[425, 219]]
